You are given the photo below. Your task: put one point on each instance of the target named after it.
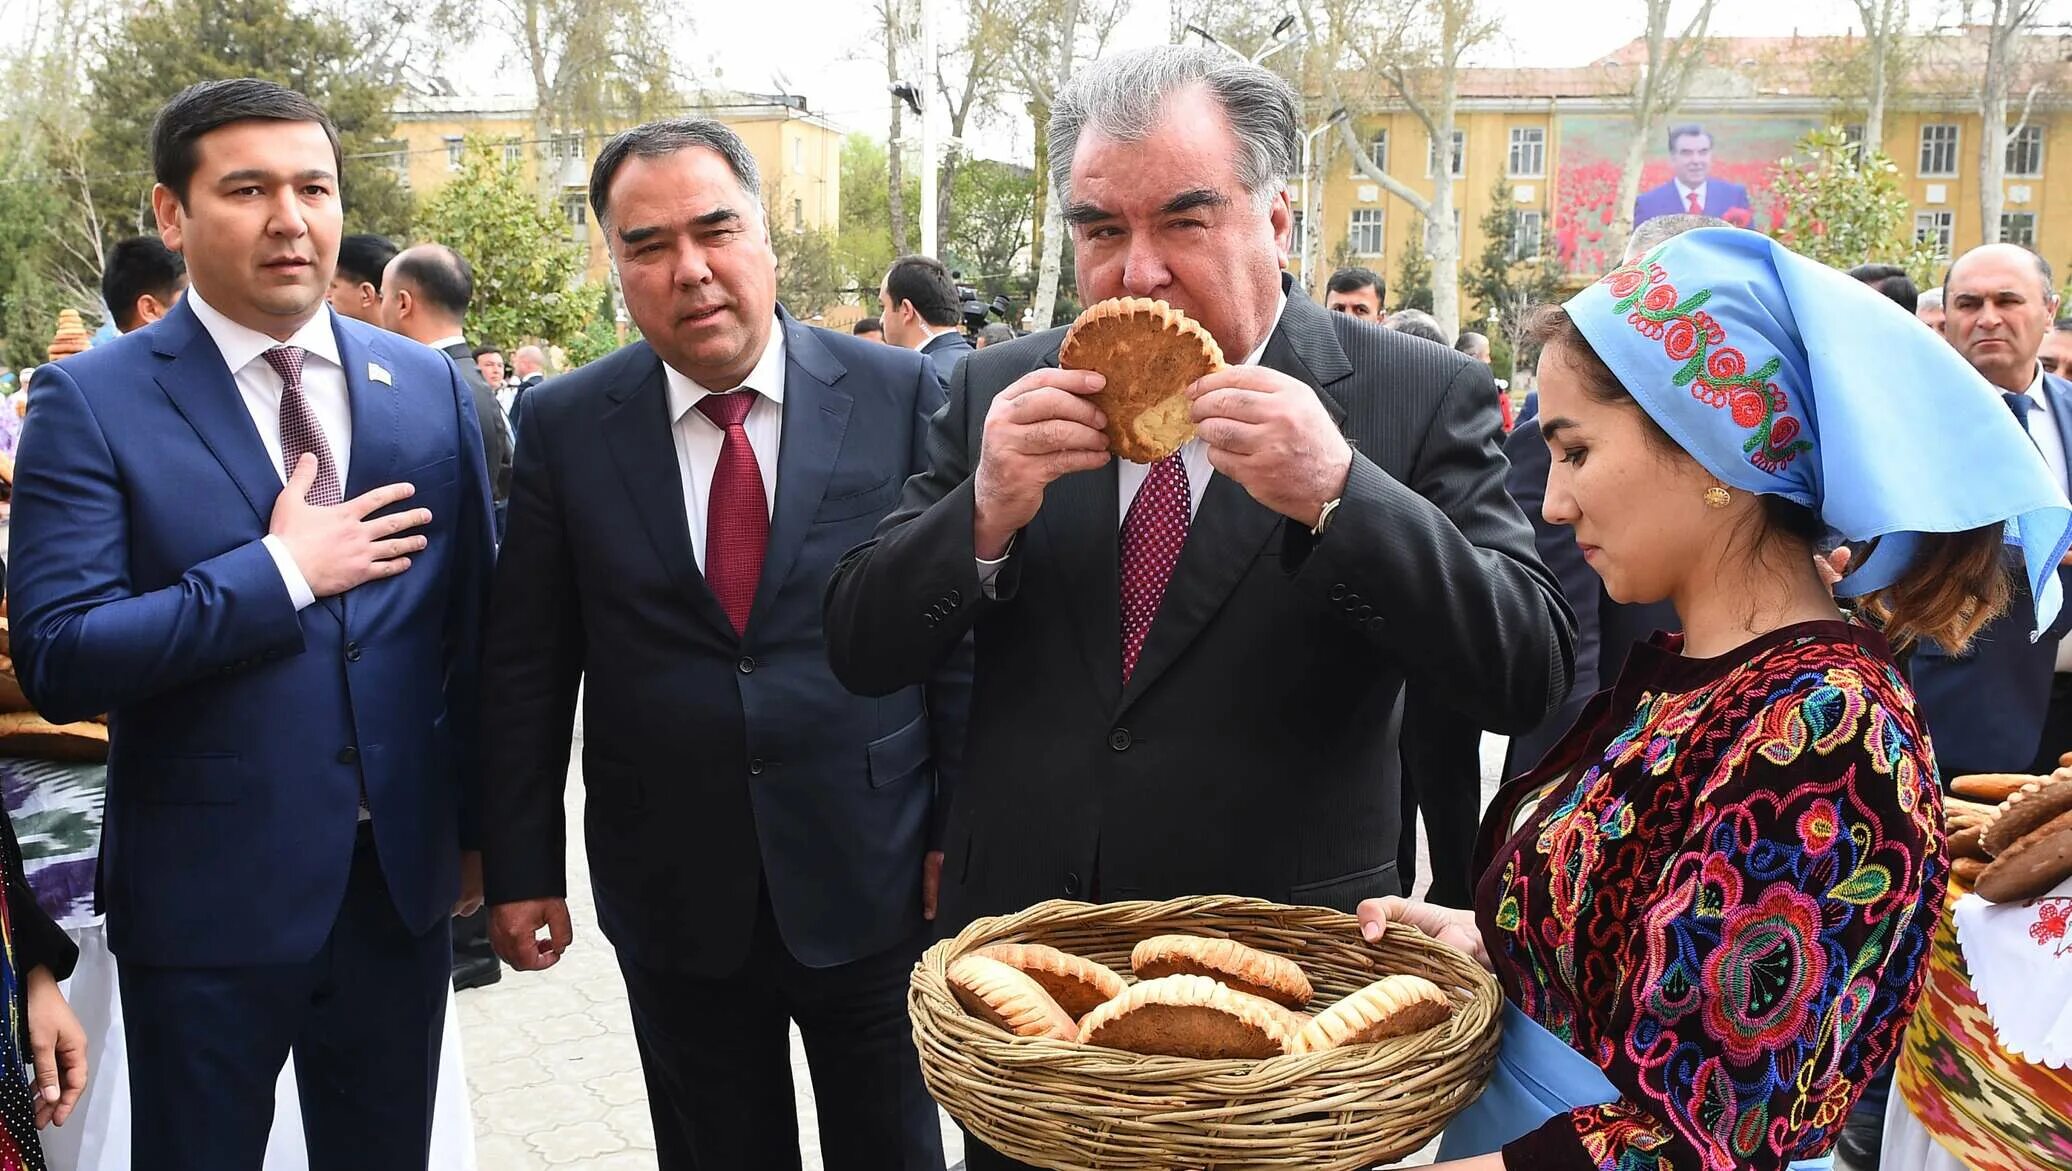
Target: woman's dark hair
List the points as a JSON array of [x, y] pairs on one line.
[[1956, 584]]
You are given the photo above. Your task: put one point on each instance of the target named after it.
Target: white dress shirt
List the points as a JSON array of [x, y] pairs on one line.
[[1129, 477], [1683, 197], [2043, 431], [698, 438], [323, 385]]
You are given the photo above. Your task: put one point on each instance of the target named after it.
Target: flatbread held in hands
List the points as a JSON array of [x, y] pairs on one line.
[[1150, 353]]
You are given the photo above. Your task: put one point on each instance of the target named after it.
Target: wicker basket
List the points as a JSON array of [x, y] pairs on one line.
[[1061, 1105]]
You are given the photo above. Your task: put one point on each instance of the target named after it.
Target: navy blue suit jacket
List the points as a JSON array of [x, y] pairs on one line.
[[1721, 197], [944, 351], [1985, 710], [716, 765], [241, 731]]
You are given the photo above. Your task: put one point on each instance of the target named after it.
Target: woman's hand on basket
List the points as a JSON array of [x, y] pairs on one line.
[[1455, 929]]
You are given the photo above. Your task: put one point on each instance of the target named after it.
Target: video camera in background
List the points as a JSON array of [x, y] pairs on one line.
[[976, 312]]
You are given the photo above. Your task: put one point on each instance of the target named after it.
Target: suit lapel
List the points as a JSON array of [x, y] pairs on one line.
[[1078, 522], [637, 432], [1230, 528], [202, 389], [816, 416]]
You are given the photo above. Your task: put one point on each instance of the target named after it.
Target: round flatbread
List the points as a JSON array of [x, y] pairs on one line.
[[1079, 985], [1991, 787], [1150, 353], [2024, 811], [2030, 867], [1008, 999], [1245, 969], [1393, 1006], [1189, 1016]]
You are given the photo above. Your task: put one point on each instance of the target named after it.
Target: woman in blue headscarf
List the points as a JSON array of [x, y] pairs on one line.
[[1709, 906]]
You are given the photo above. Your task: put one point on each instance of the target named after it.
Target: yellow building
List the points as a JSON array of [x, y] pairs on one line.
[[1549, 134], [797, 152]]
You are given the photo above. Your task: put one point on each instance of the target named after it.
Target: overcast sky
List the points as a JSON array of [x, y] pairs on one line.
[[824, 50]]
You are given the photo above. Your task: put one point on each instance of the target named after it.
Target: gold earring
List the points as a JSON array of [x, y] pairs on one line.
[[1718, 497]]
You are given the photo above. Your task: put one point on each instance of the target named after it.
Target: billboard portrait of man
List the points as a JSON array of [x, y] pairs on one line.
[[1692, 189]]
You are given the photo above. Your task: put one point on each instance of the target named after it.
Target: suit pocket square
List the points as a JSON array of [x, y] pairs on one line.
[[378, 373]]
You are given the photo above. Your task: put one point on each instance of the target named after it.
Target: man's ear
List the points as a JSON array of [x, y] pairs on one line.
[[150, 308], [167, 209]]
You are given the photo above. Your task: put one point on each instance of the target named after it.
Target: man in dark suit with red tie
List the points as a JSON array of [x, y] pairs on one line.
[[763, 845], [1188, 673]]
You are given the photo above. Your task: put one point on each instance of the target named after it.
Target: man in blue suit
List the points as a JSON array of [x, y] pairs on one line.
[[289, 671], [2006, 706], [1693, 190], [764, 846], [922, 312]]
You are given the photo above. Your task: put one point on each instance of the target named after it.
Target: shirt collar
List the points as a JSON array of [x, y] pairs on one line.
[[444, 342], [2035, 390], [1698, 191], [1280, 307], [241, 345], [767, 379]]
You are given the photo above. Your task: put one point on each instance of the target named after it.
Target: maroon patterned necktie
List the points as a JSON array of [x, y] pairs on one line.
[[1153, 531], [1691, 203], [737, 512], [300, 432]]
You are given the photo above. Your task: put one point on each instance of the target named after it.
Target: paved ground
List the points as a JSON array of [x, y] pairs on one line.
[[550, 1056]]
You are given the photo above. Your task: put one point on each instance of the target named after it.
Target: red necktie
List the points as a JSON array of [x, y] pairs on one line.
[[1153, 531], [301, 434], [737, 513], [1691, 202]]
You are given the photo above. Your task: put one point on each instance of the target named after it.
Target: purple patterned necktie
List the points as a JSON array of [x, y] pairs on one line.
[[1153, 531], [300, 432]]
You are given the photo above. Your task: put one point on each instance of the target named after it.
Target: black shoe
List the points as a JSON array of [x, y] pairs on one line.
[[476, 973], [1861, 1145]]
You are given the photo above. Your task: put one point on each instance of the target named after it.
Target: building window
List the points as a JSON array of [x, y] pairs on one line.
[[1939, 150], [1852, 137], [1460, 156], [577, 212], [1525, 234], [1364, 235], [566, 146], [798, 156], [1937, 228], [798, 215], [514, 152], [455, 151], [1378, 151], [1528, 152], [396, 157], [2017, 227], [1301, 245], [2025, 153]]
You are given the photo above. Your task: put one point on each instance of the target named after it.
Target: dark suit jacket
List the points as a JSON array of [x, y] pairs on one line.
[[1254, 750], [489, 417], [1721, 197], [944, 351], [1605, 630], [1985, 711], [714, 764], [241, 731]]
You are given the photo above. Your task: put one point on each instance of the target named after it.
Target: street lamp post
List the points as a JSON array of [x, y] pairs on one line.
[[1309, 213]]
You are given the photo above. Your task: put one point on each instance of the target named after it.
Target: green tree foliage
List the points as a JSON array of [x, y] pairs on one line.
[[163, 46], [30, 215], [1504, 284], [810, 274], [528, 273], [864, 242], [989, 223], [1843, 205], [1413, 285]]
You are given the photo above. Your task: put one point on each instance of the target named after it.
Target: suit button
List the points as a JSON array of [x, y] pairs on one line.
[[352, 652], [1365, 612], [956, 597], [755, 767], [1338, 592], [348, 755], [1119, 740], [747, 664], [1374, 625], [1071, 886]]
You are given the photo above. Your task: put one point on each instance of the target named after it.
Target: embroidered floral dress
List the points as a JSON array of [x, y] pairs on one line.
[[28, 939], [1720, 889]]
